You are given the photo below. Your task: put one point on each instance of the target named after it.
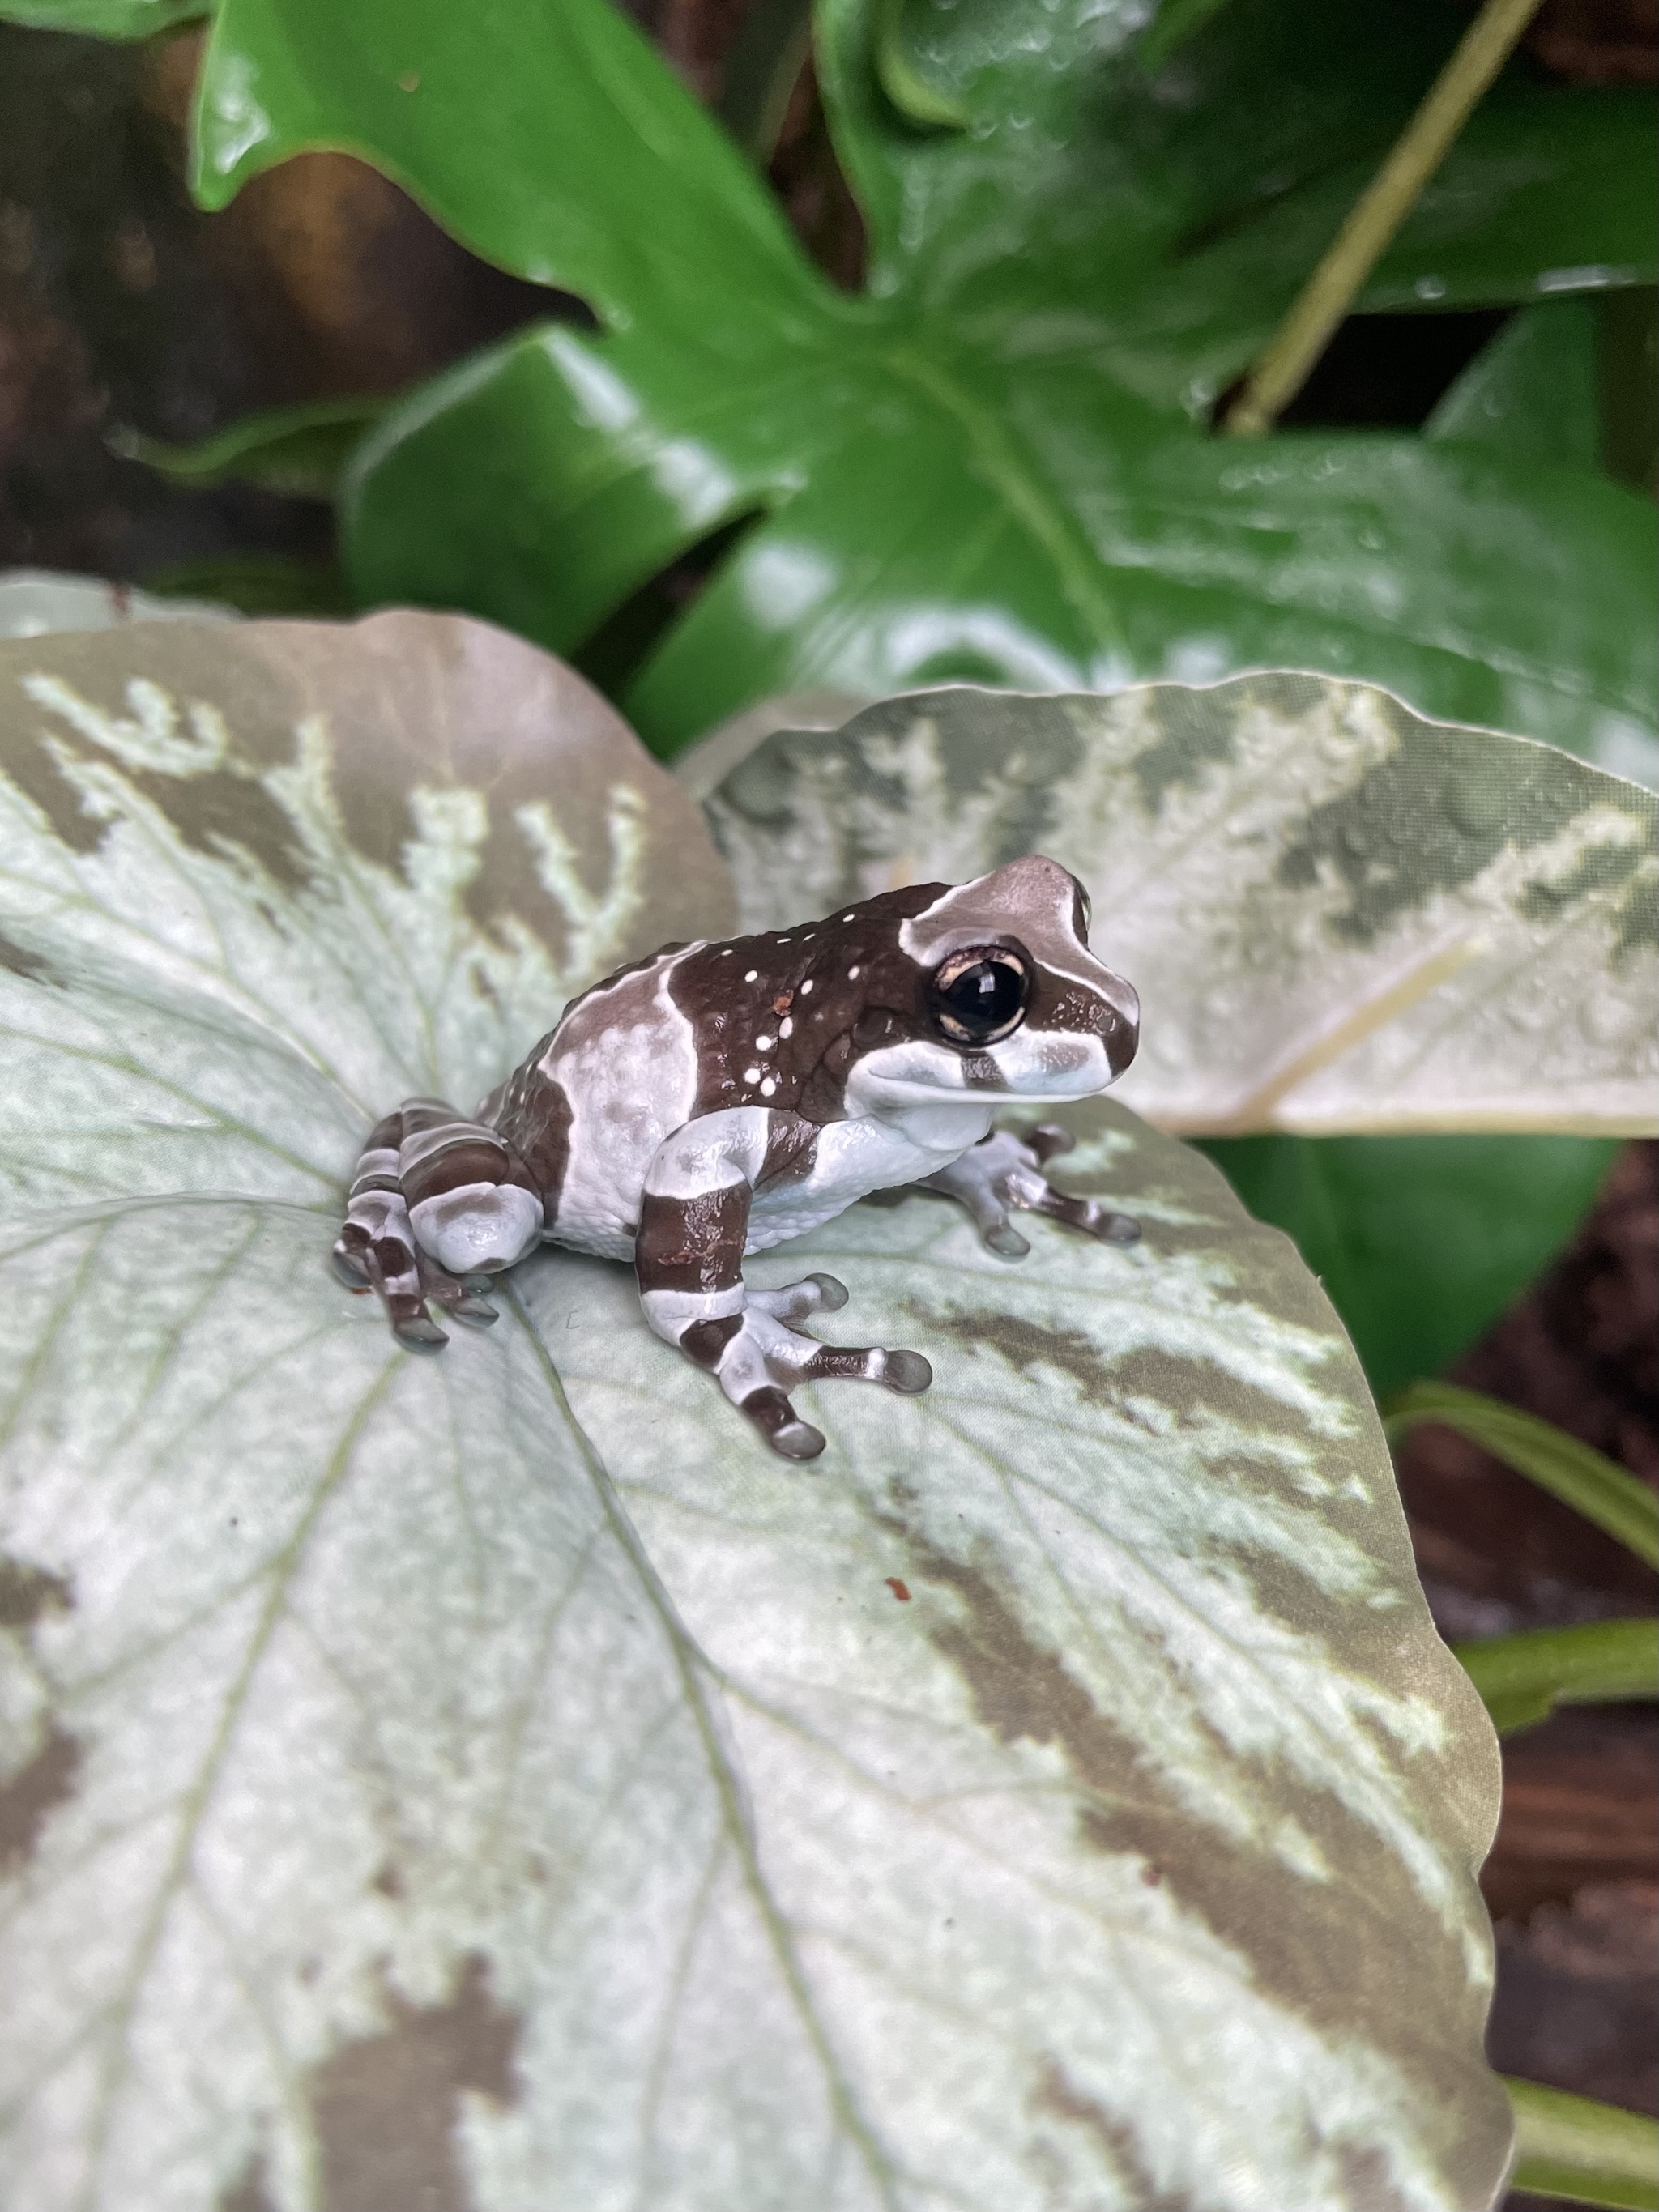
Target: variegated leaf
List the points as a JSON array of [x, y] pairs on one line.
[[286, 874], [494, 1783], [38, 602], [1339, 915]]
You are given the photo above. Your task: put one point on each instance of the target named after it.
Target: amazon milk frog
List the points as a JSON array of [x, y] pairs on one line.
[[716, 1099]]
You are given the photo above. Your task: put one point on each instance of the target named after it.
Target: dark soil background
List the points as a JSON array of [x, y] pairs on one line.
[[123, 308]]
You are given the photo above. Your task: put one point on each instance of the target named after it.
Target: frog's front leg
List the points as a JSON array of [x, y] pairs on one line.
[[694, 1226], [1003, 1170], [436, 1200]]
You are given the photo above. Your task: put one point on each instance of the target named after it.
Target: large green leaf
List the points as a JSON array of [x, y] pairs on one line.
[[1167, 218], [986, 467], [103, 19], [1348, 925], [494, 1781], [1532, 391]]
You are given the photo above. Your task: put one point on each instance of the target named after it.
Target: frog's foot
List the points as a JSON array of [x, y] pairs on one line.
[[1003, 1171], [758, 1359], [438, 1204], [378, 1251]]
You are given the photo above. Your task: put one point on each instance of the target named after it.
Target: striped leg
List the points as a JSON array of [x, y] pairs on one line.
[[694, 1221], [1003, 1170], [437, 1202]]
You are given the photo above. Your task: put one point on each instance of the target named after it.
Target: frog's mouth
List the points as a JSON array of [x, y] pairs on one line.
[[1062, 1064], [1032, 1066]]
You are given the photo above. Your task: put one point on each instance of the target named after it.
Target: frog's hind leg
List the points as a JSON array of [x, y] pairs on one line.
[[437, 1201], [1003, 1171]]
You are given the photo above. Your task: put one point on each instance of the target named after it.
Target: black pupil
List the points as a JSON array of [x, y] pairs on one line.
[[985, 997]]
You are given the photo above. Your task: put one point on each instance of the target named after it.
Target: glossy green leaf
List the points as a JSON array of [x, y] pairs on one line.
[[258, 584], [931, 519], [1418, 1240], [761, 68], [103, 19], [1576, 1473], [604, 175], [1588, 2153], [1161, 222], [1533, 391], [295, 451], [495, 1780], [1173, 24], [1505, 219], [953, 477], [1522, 1679], [1629, 388], [1336, 917]]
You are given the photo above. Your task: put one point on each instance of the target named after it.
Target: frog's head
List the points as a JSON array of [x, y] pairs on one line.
[[1010, 1003]]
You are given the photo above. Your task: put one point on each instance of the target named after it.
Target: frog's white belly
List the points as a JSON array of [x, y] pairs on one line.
[[850, 1160]]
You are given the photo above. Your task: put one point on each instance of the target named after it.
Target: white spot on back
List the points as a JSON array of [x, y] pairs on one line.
[[853, 975], [750, 975], [786, 1027], [751, 1075], [764, 1044], [768, 1087], [806, 987]]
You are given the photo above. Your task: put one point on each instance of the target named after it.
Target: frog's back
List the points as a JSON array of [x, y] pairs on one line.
[[768, 1021]]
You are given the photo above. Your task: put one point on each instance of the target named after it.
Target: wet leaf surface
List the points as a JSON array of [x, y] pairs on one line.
[[494, 1780], [1354, 933], [993, 466]]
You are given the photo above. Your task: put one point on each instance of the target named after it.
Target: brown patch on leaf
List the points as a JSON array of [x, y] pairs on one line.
[[41, 781], [1025, 1345], [33, 1793], [384, 2108], [21, 962], [1365, 2172], [250, 2191], [223, 805], [1363, 1946], [1186, 1385], [1057, 2094], [27, 1593]]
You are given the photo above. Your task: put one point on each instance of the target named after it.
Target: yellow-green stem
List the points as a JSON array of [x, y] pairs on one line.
[[1289, 357]]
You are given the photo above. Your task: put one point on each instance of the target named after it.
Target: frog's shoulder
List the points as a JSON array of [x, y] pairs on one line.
[[648, 961], [766, 1010]]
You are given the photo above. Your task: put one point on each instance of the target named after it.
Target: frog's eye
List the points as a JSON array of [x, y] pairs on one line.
[[977, 996]]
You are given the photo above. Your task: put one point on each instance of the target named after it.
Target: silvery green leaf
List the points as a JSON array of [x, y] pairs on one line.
[[1339, 915], [284, 874], [494, 1782], [36, 602]]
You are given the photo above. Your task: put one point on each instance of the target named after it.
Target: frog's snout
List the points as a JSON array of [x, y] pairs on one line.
[[1121, 1035]]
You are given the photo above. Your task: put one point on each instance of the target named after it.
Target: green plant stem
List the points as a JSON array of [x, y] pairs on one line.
[[1523, 1678], [1578, 1475], [1285, 364], [1591, 2153]]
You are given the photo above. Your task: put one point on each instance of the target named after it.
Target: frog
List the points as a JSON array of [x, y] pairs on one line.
[[717, 1098]]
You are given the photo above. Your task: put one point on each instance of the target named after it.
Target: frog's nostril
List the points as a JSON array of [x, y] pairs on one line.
[[1120, 1038]]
